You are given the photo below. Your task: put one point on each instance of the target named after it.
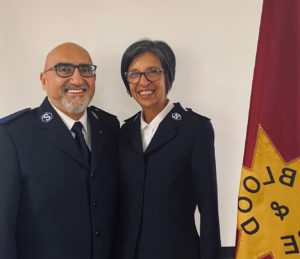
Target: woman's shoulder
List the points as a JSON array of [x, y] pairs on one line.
[[130, 120], [194, 121], [196, 115], [191, 114]]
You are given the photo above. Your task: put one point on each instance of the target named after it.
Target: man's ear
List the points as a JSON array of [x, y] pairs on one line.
[[44, 81]]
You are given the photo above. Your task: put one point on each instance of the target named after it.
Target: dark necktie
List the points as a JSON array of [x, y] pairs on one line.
[[79, 138]]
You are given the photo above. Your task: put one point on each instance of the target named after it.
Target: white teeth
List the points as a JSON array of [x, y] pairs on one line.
[[145, 93], [75, 91]]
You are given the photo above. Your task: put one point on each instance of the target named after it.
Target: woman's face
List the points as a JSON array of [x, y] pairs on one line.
[[150, 95]]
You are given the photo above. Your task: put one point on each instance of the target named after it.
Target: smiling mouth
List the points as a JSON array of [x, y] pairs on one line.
[[75, 91], [146, 93]]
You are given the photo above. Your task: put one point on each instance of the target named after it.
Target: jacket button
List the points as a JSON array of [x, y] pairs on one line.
[[92, 175], [97, 233], [94, 203]]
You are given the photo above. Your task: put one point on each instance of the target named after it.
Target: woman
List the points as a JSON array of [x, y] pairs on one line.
[[167, 165]]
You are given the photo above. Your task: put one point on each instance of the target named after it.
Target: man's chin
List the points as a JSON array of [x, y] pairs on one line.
[[75, 107]]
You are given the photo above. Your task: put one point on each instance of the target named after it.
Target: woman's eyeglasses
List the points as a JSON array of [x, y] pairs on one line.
[[151, 74]]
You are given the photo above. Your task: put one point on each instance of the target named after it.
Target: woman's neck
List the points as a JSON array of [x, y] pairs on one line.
[[150, 114]]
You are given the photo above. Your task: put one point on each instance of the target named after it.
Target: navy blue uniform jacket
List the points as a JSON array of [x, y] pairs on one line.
[[53, 205], [161, 187]]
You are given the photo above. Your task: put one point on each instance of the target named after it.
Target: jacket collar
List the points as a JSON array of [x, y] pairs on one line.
[[57, 134], [166, 131]]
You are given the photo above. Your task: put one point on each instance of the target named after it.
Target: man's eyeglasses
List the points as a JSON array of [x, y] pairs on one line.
[[151, 74], [66, 70]]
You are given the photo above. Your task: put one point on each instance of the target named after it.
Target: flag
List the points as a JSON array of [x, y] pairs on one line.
[[268, 221]]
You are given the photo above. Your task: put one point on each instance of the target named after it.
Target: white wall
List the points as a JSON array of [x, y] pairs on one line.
[[214, 41]]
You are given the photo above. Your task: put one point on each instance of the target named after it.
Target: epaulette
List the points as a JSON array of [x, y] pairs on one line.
[[197, 114], [132, 118], [97, 110], [14, 116]]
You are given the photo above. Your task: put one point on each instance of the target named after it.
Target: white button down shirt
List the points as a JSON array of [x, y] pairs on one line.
[[69, 122], [148, 130]]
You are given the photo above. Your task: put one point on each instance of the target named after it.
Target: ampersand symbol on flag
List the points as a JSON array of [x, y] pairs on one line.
[[282, 210]]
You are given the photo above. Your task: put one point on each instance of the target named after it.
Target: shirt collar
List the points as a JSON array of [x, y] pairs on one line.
[[158, 118], [69, 122]]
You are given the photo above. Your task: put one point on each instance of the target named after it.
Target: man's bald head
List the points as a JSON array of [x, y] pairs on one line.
[[67, 53]]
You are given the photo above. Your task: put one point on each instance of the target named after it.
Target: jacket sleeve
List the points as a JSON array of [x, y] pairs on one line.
[[9, 195], [205, 184]]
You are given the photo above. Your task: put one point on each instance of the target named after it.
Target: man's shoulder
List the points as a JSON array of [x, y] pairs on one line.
[[97, 111], [102, 115], [14, 116]]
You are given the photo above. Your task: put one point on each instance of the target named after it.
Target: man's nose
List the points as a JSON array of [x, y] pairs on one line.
[[76, 78]]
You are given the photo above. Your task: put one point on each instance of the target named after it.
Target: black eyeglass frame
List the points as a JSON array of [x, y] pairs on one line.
[[144, 73], [54, 68]]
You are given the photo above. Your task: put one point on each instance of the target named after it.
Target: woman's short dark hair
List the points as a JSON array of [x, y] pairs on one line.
[[161, 49]]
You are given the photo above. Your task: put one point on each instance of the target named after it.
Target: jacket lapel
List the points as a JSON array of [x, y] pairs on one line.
[[57, 134], [97, 137], [134, 133], [167, 129]]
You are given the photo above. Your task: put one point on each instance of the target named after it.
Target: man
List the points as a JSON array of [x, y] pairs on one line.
[[57, 178]]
